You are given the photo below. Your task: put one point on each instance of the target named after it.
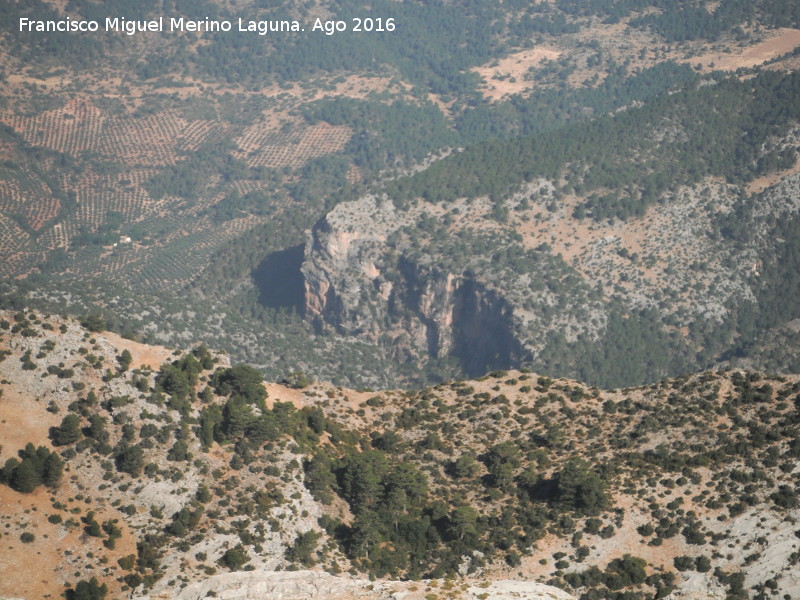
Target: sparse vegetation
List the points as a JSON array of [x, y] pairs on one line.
[[491, 197], [428, 477]]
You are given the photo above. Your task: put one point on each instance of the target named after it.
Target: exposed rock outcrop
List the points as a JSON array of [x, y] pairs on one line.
[[405, 280], [316, 585], [343, 251]]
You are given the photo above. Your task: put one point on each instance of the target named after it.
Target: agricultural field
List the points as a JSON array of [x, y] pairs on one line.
[[109, 160]]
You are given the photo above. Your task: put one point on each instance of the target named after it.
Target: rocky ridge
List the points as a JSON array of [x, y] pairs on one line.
[[688, 486], [314, 585]]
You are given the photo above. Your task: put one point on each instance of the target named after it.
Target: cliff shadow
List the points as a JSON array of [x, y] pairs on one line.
[[279, 280], [483, 338]]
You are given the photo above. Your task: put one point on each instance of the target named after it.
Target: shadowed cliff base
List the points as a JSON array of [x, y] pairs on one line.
[[279, 280], [483, 339]]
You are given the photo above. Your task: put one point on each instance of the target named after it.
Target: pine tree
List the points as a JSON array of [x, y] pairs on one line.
[[124, 360], [52, 470], [25, 477], [130, 459], [68, 432], [88, 590]]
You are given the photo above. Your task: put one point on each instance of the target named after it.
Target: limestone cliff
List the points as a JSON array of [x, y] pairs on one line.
[[411, 282]]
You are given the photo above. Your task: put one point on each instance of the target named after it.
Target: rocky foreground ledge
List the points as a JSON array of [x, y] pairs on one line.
[[316, 585]]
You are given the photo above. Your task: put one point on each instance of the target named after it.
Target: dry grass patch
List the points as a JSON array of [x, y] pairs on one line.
[[784, 41], [508, 75]]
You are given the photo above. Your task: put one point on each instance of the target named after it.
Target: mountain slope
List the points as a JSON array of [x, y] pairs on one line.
[[179, 170], [171, 476], [640, 245]]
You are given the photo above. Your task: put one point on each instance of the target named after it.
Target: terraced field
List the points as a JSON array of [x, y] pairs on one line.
[[265, 147], [107, 162]]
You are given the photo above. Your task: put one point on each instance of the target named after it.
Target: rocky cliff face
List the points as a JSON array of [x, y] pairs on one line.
[[487, 290], [343, 251], [407, 280]]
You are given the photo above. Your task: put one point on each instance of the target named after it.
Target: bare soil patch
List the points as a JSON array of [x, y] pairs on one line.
[[281, 393], [22, 420], [29, 569], [143, 355], [785, 40], [760, 184], [58, 555], [507, 75]]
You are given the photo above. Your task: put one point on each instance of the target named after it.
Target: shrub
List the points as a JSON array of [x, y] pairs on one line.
[[785, 497], [235, 558], [513, 559], [88, 590], [628, 570], [592, 525], [302, 549], [68, 432], [702, 564], [465, 467], [94, 322], [129, 459]]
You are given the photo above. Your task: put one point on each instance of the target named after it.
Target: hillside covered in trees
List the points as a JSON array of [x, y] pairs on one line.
[[175, 467]]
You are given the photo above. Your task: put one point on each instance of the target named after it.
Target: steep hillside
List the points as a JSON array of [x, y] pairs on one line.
[[180, 169], [608, 252], [166, 473]]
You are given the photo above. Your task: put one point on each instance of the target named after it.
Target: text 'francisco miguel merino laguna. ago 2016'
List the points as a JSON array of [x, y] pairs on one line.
[[161, 24]]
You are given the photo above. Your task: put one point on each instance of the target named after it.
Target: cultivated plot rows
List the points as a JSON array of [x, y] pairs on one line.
[[101, 187]]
